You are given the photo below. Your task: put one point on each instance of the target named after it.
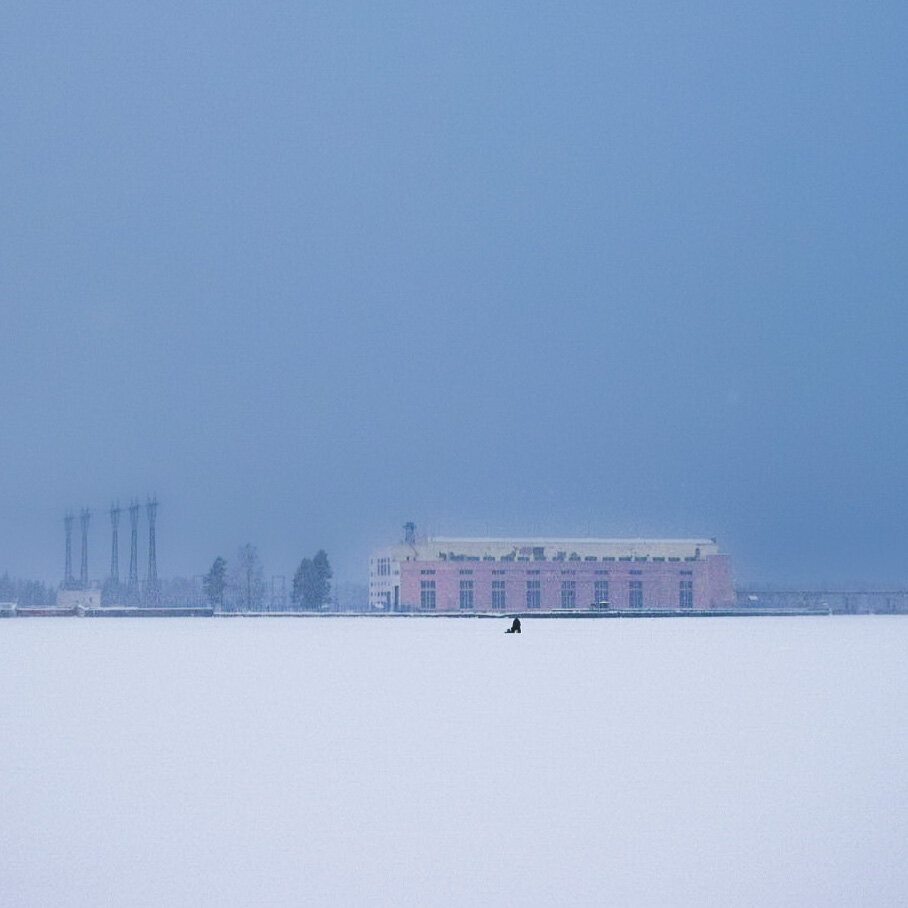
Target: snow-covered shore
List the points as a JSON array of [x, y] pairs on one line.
[[350, 762]]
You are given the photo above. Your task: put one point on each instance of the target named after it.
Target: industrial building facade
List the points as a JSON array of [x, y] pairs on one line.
[[451, 575]]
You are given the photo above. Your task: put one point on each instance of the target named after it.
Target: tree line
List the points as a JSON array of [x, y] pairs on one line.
[[241, 586], [235, 586], [26, 592]]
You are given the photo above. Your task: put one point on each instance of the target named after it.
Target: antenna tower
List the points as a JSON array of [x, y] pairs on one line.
[[84, 519], [134, 549], [114, 543], [152, 585], [68, 582]]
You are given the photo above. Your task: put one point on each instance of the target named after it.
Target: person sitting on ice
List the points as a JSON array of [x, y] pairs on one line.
[[514, 628]]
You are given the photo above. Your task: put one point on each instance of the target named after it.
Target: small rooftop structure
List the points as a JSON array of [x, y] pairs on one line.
[[432, 548]]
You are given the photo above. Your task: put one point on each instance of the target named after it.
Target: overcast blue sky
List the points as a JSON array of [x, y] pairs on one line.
[[309, 270]]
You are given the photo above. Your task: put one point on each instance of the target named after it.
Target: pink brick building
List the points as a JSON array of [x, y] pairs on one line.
[[441, 574]]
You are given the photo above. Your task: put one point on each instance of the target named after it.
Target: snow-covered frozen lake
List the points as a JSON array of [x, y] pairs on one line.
[[287, 762]]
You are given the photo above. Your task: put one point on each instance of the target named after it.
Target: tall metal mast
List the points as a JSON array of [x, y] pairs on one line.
[[134, 549], [151, 589], [114, 543], [84, 519], [68, 581]]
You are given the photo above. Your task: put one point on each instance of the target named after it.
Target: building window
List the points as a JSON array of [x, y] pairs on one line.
[[427, 572], [568, 594], [686, 595], [498, 601], [427, 594], [466, 572], [466, 594], [383, 567], [601, 593], [534, 593], [635, 594]]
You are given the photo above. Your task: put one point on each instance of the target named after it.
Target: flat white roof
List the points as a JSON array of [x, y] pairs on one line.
[[433, 548], [570, 540]]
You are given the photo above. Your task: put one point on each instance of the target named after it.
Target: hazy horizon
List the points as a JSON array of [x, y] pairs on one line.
[[307, 272]]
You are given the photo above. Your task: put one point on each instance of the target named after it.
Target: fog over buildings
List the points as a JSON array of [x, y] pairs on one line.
[[571, 283], [630, 270]]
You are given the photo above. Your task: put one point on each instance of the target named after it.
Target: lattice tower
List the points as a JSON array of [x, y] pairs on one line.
[[84, 519], [114, 543], [68, 579], [152, 584], [134, 546]]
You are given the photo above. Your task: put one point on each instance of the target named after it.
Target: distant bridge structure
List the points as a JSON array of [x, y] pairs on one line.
[[836, 600]]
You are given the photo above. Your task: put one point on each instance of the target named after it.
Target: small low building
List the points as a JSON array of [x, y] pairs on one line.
[[78, 599], [453, 575]]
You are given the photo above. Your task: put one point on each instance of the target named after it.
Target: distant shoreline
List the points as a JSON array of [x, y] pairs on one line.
[[203, 612]]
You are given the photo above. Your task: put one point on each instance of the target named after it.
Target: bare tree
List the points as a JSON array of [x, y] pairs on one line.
[[247, 584]]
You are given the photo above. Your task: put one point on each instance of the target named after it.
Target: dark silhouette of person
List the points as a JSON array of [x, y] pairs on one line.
[[514, 628]]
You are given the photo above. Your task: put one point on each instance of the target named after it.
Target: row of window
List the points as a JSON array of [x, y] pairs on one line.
[[568, 594], [450, 556], [536, 572], [383, 567]]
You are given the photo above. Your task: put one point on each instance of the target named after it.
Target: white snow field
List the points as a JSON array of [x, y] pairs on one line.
[[273, 762]]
